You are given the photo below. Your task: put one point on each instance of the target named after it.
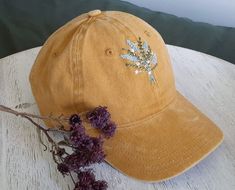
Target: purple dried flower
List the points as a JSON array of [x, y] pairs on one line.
[[76, 123], [79, 140], [99, 185], [76, 160], [109, 129], [75, 119], [63, 168], [97, 154], [86, 176], [86, 179], [77, 135], [86, 144], [89, 151], [98, 117], [77, 127]]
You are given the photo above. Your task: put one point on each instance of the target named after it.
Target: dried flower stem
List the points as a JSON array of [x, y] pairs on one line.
[[86, 150], [27, 116], [9, 110]]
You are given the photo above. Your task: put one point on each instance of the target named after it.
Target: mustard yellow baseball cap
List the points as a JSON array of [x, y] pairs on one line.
[[116, 59]]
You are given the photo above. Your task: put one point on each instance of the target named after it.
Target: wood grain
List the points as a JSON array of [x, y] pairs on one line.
[[208, 82]]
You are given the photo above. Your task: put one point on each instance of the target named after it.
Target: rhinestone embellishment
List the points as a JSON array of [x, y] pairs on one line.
[[141, 58]]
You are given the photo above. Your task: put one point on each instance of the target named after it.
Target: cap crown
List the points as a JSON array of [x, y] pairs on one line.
[[80, 67]]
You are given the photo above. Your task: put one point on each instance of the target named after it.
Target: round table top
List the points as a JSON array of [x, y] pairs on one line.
[[208, 82]]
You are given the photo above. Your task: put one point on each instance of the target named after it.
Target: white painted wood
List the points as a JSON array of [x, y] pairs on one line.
[[206, 81]]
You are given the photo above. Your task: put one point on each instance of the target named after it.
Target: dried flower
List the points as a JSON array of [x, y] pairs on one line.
[[98, 117], [75, 119], [88, 150], [97, 154], [74, 162], [77, 135], [109, 129], [85, 150], [63, 168], [76, 123], [100, 185], [86, 179]]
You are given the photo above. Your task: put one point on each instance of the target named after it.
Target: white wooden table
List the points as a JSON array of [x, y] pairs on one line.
[[206, 81]]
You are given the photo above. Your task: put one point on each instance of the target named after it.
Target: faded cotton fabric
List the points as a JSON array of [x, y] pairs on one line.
[[160, 134]]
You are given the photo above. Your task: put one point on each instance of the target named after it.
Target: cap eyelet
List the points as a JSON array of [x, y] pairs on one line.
[[109, 52]]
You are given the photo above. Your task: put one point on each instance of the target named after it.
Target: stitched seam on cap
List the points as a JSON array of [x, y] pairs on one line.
[[73, 56], [89, 22], [149, 117], [78, 72]]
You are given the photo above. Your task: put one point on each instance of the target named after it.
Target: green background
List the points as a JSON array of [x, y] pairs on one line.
[[26, 24]]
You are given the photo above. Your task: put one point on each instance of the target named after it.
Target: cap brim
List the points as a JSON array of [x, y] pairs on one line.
[[164, 145]]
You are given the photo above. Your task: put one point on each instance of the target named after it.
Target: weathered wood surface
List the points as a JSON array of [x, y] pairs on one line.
[[206, 81]]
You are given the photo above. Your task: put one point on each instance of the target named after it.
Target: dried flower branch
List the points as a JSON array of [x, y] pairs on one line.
[[85, 150]]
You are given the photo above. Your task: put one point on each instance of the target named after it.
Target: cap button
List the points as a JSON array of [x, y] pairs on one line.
[[94, 13]]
